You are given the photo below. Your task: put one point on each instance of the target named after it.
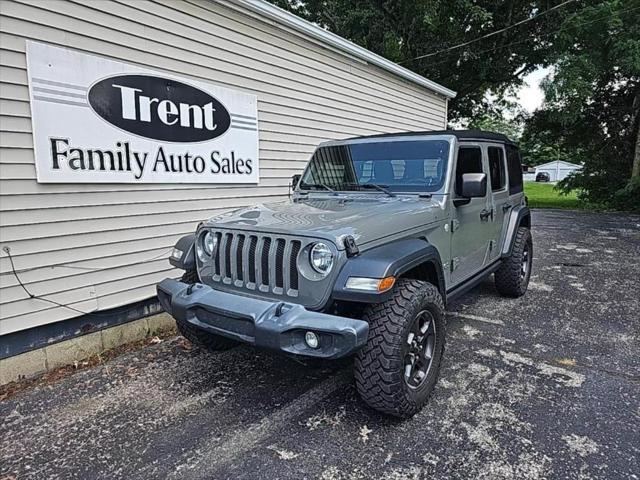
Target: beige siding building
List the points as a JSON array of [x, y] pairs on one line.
[[96, 246]]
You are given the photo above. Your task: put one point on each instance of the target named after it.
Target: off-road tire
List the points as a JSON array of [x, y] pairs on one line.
[[509, 280], [379, 365], [201, 338]]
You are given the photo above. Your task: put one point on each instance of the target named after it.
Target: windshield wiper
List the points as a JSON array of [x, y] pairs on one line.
[[316, 185], [380, 188]]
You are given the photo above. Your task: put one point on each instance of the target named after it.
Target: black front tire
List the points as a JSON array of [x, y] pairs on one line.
[[512, 278], [196, 336], [380, 366]]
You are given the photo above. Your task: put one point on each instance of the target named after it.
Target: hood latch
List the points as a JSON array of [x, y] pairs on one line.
[[350, 246]]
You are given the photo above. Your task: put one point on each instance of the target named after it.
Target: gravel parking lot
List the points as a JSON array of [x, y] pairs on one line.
[[546, 386]]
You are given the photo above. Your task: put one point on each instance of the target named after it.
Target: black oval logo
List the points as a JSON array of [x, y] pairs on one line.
[[159, 108]]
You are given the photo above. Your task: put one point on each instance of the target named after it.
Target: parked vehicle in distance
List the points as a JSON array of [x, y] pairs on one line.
[[380, 234], [543, 177]]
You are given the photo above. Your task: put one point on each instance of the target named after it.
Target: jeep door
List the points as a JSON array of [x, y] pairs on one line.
[[470, 234], [499, 198]]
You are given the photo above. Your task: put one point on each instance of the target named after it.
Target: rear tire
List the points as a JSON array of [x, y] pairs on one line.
[[512, 278], [197, 336], [390, 370]]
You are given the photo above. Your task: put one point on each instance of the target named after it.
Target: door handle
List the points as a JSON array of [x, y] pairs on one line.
[[484, 214], [506, 207]]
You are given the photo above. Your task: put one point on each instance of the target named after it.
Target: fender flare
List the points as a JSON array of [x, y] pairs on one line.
[[392, 259], [520, 215], [188, 259]]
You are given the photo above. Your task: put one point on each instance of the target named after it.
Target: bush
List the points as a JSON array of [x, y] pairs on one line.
[[600, 192], [628, 198]]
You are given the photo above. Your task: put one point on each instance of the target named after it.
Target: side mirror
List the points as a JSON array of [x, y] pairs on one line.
[[474, 185], [295, 180]]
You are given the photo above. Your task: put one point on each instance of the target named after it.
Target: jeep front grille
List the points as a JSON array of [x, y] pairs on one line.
[[259, 262]]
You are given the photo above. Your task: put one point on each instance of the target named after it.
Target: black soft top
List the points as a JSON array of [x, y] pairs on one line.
[[460, 134]]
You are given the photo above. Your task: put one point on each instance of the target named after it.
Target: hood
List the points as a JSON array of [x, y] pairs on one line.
[[365, 217]]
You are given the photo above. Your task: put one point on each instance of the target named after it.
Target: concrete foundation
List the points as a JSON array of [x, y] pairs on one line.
[[79, 348]]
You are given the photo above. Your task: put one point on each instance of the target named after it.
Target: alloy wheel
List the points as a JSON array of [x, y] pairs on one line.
[[422, 342]]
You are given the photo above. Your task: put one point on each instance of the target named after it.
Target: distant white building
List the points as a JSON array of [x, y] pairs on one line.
[[558, 169]]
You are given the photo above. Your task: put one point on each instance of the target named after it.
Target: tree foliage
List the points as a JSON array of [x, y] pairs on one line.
[[509, 119], [592, 103]]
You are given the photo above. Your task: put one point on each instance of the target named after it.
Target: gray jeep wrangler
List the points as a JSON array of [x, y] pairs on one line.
[[380, 233]]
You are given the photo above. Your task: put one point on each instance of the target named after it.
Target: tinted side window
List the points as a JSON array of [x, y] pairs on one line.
[[496, 168], [469, 161], [515, 170]]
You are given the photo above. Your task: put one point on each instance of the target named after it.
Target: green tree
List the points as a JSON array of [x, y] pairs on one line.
[[592, 102], [503, 116]]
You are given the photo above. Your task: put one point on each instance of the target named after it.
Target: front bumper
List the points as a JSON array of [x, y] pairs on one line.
[[275, 325]]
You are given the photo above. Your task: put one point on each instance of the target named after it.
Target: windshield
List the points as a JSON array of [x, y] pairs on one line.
[[400, 166]]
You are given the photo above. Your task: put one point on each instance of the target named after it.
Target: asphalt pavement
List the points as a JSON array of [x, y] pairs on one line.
[[545, 386]]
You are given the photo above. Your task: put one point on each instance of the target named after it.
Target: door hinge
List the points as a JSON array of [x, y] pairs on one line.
[[455, 262], [455, 225]]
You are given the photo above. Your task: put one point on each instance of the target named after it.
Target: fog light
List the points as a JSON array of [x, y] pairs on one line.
[[311, 340]]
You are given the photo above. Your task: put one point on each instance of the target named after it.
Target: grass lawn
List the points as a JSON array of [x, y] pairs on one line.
[[542, 195]]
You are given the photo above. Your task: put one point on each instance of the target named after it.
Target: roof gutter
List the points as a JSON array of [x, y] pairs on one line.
[[279, 15]]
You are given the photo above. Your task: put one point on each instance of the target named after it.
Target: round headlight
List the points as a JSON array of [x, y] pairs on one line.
[[209, 243], [206, 245], [321, 258]]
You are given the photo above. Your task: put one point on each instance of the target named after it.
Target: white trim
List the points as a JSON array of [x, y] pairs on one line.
[[290, 20]]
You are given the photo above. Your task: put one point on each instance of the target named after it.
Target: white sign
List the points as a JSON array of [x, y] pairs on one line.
[[101, 121]]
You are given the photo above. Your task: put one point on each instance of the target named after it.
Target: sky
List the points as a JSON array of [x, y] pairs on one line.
[[530, 95]]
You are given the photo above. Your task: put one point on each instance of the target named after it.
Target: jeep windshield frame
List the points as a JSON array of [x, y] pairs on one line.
[[389, 166]]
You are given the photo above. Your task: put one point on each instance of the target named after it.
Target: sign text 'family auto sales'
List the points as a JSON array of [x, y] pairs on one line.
[[101, 121]]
